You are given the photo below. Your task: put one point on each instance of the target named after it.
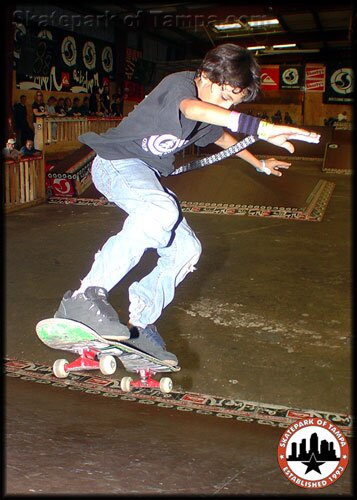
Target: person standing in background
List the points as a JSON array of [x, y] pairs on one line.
[[39, 111], [22, 127]]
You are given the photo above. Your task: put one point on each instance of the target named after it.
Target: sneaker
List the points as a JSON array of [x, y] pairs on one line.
[[93, 309], [150, 341]]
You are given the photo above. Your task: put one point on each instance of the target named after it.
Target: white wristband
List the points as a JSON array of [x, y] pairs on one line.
[[263, 168], [233, 121]]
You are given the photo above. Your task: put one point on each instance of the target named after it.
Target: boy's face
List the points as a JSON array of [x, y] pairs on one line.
[[224, 96]]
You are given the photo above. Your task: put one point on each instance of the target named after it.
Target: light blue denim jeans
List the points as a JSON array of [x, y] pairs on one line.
[[154, 221]]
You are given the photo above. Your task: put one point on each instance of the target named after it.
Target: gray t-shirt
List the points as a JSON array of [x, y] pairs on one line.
[[156, 129]]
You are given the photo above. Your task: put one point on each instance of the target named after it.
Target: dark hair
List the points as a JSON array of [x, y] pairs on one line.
[[230, 64]]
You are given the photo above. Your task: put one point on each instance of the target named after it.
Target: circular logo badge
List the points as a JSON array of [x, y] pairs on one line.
[[89, 55], [107, 59], [313, 453], [162, 144], [290, 76], [342, 81], [69, 51]]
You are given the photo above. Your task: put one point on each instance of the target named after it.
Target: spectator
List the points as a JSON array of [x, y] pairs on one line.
[[277, 118], [22, 127], [84, 108], [96, 106], [287, 119], [29, 150], [51, 109], [342, 117], [116, 106], [265, 116], [39, 111], [60, 110], [9, 151], [75, 111], [330, 122], [68, 106], [105, 98]]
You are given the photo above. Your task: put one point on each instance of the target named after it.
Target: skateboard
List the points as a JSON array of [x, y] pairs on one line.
[[96, 352]]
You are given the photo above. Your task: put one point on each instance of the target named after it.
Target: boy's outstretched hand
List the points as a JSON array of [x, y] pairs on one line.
[[280, 135]]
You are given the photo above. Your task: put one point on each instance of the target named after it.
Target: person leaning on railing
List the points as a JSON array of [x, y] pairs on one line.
[[29, 150], [9, 151]]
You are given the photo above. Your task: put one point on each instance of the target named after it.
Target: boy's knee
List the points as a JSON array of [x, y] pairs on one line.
[[167, 215]]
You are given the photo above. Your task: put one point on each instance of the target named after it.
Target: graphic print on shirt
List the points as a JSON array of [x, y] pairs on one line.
[[162, 144]]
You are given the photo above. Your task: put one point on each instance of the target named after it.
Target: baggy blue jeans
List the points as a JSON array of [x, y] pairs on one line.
[[154, 221]]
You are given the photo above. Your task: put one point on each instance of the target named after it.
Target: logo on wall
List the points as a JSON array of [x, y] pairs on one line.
[[315, 75], [45, 34], [342, 81], [69, 51], [65, 79], [270, 77], [340, 85], [89, 55], [54, 59], [19, 39], [290, 77], [107, 59]]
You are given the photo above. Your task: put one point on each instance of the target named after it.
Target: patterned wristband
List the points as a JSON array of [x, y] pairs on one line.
[[263, 130]]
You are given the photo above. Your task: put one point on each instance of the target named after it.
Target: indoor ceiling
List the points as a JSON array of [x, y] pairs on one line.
[[319, 29]]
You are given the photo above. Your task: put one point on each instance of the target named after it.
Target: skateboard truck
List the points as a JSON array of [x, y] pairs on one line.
[[146, 380], [88, 360]]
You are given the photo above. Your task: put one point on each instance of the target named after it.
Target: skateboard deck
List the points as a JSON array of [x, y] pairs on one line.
[[96, 352]]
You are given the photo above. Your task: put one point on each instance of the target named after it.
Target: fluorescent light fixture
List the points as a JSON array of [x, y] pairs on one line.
[[257, 47], [263, 22], [284, 46], [227, 27]]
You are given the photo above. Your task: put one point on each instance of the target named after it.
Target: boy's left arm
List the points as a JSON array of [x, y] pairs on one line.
[[269, 166]]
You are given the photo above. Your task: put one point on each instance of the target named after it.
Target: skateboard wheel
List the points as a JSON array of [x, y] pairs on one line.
[[125, 384], [107, 365], [166, 384], [59, 368]]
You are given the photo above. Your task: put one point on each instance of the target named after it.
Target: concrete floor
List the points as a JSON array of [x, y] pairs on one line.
[[266, 317]]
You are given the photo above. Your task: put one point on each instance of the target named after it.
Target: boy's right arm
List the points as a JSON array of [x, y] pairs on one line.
[[279, 135]]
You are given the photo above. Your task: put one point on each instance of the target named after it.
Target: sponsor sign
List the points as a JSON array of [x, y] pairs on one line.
[[339, 84], [315, 75], [291, 77], [269, 77]]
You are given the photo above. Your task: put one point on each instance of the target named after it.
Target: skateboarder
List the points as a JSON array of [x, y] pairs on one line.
[[185, 108]]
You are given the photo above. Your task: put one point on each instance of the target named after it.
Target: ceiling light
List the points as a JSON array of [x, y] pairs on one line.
[[257, 47], [227, 27], [263, 22], [284, 46]]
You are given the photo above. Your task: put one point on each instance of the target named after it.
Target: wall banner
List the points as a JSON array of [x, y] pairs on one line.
[[339, 84], [291, 76], [269, 77], [133, 83], [57, 60], [315, 75]]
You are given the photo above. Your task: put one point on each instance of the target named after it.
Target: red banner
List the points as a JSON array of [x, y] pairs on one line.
[[134, 88], [270, 77], [315, 76]]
